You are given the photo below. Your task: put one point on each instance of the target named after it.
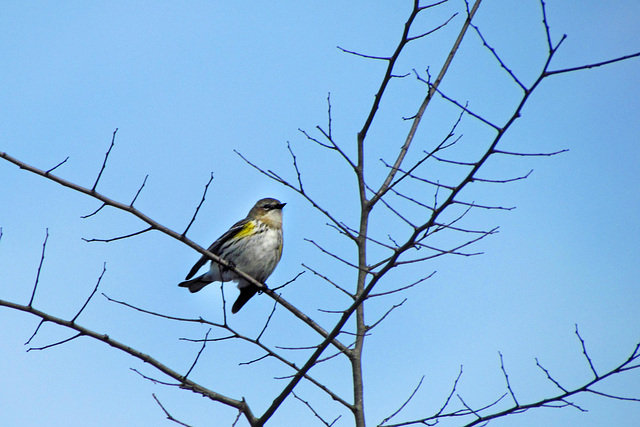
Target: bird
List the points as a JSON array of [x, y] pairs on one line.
[[252, 245]]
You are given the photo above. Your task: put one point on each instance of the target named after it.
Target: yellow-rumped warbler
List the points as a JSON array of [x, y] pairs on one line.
[[253, 245]]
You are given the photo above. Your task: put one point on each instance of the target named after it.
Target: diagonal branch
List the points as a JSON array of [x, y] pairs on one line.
[[154, 225], [104, 269], [234, 334], [418, 117], [204, 196], [272, 175], [185, 383], [506, 377], [406, 402], [168, 415], [35, 285], [104, 163]]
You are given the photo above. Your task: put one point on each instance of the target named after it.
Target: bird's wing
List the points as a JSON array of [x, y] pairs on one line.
[[215, 246]]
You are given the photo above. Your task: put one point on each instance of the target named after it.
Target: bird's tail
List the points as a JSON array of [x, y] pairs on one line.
[[246, 293], [196, 284]]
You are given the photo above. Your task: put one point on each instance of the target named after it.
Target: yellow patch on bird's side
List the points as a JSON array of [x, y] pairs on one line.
[[246, 230]]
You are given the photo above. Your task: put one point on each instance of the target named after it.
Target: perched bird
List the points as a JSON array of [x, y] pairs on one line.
[[253, 245]]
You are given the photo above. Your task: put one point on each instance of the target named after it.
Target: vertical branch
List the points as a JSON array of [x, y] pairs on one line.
[[104, 164], [584, 351], [367, 205], [35, 285], [546, 26]]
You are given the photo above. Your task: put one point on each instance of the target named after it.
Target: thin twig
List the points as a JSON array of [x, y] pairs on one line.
[[418, 117], [406, 402], [288, 282], [504, 181], [204, 344], [113, 239], [35, 285], [58, 165], [393, 307], [104, 269], [204, 195], [588, 66], [295, 166], [331, 254], [168, 415], [340, 288], [308, 405], [511, 153], [139, 191], [104, 163], [497, 57], [433, 30], [55, 344], [506, 377], [96, 211], [403, 288], [273, 310], [35, 332], [549, 377], [362, 55], [584, 351]]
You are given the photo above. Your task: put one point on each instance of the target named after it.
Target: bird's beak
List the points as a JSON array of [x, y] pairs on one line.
[[280, 206]]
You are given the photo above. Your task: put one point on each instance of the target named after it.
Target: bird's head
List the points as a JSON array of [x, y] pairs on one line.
[[268, 210]]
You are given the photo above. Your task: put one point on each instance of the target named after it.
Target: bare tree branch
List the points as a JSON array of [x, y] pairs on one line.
[[557, 401], [104, 269], [35, 285], [506, 377], [204, 344], [384, 316], [113, 239], [58, 165], [139, 191], [106, 157], [589, 66], [549, 377], [504, 181], [96, 211], [169, 416], [406, 402], [510, 153], [204, 196], [82, 331], [584, 351], [154, 225], [282, 181], [308, 405], [423, 107], [362, 55], [497, 57], [54, 344], [233, 334], [340, 288], [273, 310], [403, 288]]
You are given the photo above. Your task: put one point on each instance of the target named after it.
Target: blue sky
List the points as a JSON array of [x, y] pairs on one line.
[[188, 83]]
